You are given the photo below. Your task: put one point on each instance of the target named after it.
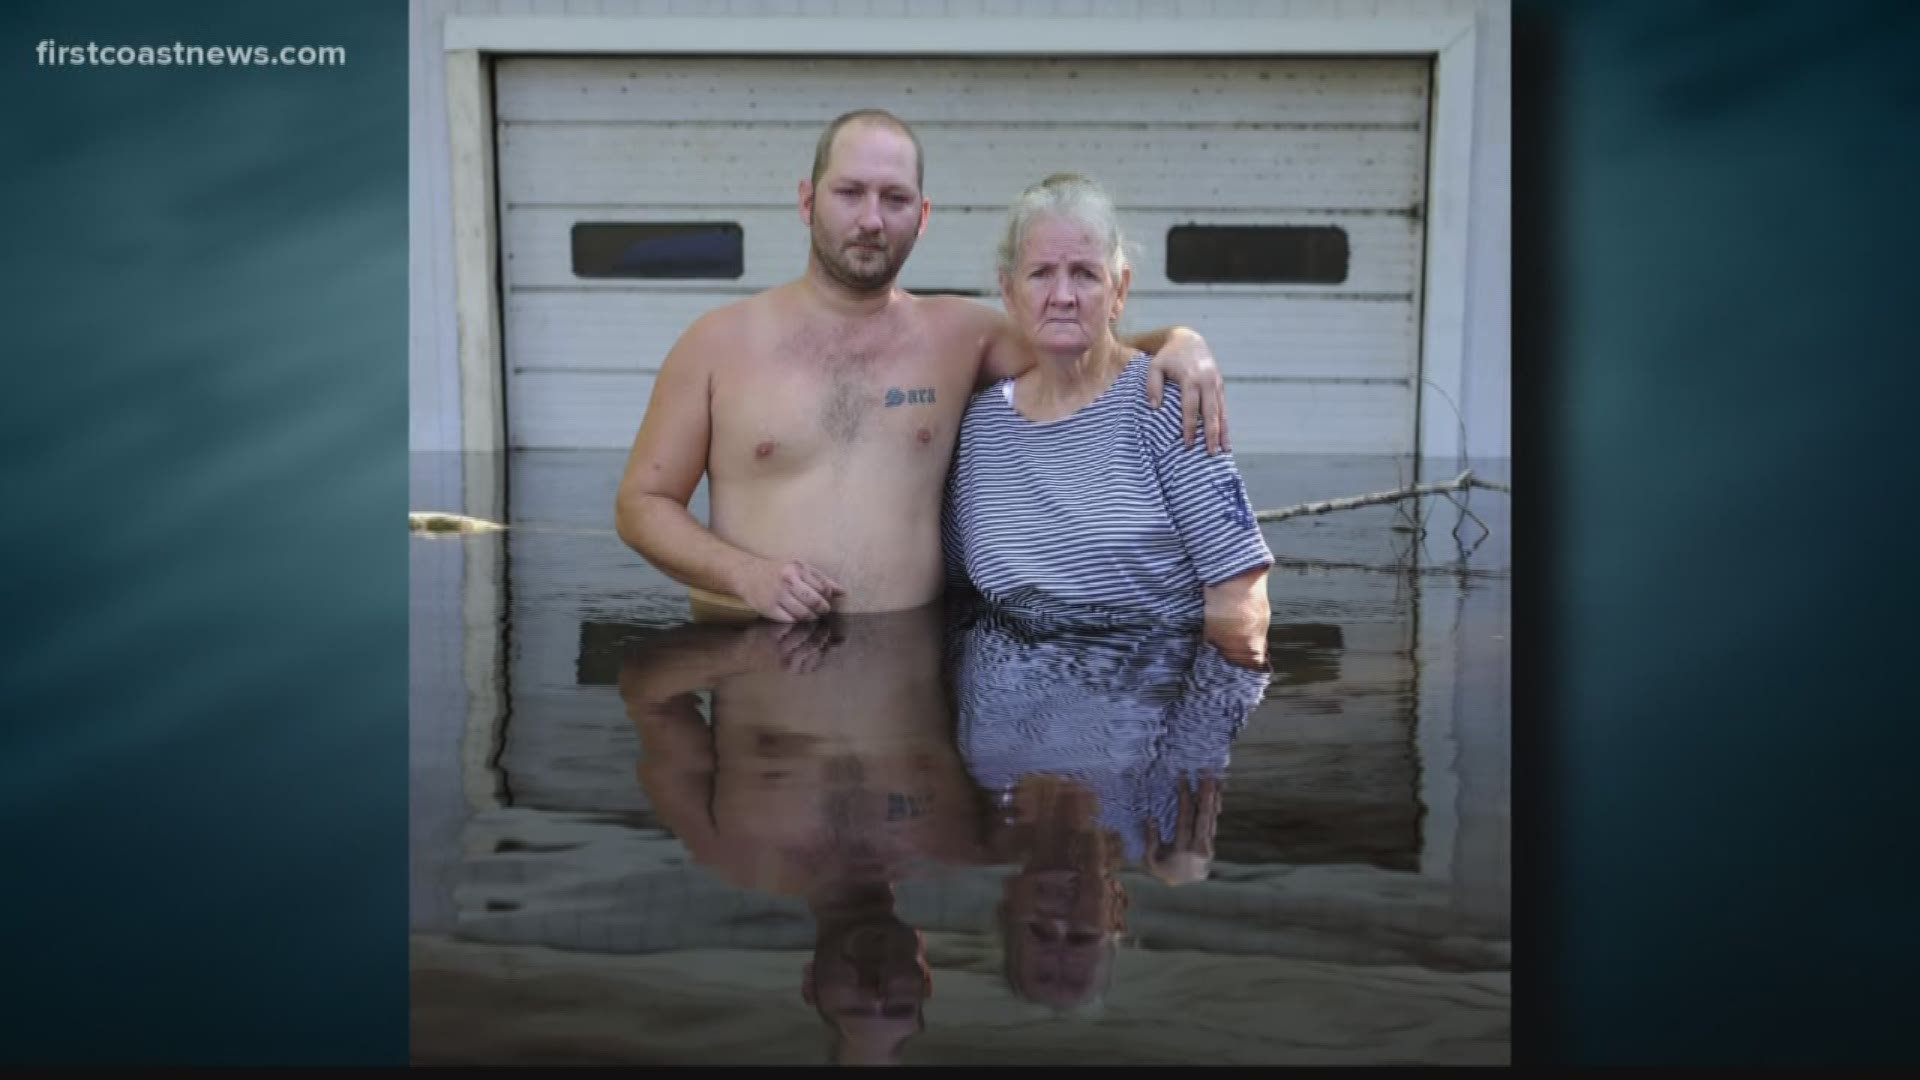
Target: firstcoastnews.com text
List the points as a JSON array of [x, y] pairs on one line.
[[51, 53]]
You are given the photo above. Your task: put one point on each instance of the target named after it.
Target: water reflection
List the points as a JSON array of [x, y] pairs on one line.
[[946, 836], [834, 759], [824, 769], [1101, 750]]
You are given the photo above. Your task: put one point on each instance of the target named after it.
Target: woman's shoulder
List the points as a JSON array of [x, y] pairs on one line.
[[985, 402], [1159, 426]]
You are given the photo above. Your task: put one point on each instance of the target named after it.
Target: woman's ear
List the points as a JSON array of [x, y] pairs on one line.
[[1120, 293]]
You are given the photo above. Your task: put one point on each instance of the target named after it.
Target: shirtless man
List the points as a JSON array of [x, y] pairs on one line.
[[825, 409]]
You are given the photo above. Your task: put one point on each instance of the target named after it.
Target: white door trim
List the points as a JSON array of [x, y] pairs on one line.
[[956, 36], [1451, 42], [476, 251]]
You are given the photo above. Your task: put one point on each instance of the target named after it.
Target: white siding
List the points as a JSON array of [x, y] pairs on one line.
[[615, 139], [602, 164], [1484, 379], [1317, 91], [956, 251]]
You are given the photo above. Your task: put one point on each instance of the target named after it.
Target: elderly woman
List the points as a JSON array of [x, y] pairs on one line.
[[1069, 496]]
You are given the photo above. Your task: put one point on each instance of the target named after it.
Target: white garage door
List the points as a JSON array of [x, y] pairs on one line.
[[1275, 205]]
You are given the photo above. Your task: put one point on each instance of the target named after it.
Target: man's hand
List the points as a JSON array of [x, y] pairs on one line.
[[1186, 360], [795, 647], [787, 592]]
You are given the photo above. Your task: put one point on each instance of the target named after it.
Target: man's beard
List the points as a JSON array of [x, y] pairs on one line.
[[881, 277]]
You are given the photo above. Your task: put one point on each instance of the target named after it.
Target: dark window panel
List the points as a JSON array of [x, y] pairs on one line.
[[627, 249], [1257, 254]]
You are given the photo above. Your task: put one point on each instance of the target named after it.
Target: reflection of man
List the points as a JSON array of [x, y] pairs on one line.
[[868, 979], [824, 411], [828, 771]]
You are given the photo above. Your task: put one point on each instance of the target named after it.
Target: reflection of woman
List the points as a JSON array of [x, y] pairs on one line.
[[1061, 915], [1137, 715], [1097, 748], [1068, 492]]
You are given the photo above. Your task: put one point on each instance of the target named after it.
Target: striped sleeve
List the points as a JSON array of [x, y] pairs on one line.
[[953, 556], [1216, 700], [1205, 497]]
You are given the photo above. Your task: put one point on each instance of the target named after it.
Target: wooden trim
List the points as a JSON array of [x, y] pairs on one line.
[[483, 598], [956, 36], [476, 251], [1443, 331]]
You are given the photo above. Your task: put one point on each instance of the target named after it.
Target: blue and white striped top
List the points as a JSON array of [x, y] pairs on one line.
[[1102, 515], [1132, 714]]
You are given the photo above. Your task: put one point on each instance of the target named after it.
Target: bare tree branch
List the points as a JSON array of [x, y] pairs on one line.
[[1459, 483]]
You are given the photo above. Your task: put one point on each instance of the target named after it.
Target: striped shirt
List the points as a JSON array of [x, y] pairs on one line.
[[1103, 514], [1133, 715]]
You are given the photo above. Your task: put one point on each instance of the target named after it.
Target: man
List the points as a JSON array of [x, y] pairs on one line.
[[825, 409]]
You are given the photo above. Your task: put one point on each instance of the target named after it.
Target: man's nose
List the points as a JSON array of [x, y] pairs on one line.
[[870, 215]]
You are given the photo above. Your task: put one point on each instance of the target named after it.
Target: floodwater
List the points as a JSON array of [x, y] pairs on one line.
[[943, 837]]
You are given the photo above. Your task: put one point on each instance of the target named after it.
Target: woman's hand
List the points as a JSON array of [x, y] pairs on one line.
[[1187, 855]]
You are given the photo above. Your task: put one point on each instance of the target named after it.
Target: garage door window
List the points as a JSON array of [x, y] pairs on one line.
[[1256, 254], [656, 250]]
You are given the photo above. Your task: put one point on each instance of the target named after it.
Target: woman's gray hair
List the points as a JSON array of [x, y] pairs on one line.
[[1069, 195]]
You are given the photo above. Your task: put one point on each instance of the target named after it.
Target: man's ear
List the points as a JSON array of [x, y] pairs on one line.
[[806, 202], [926, 211]]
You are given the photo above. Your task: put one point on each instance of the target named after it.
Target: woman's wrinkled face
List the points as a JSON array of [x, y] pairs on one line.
[[1061, 294]]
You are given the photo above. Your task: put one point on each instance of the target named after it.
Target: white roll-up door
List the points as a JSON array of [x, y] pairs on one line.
[[1312, 306]]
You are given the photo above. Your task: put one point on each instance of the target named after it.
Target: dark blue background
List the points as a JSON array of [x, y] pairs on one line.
[[1713, 360], [205, 566]]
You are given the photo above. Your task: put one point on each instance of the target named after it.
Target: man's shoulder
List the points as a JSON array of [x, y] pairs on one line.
[[736, 316], [968, 330], [725, 330], [955, 312]]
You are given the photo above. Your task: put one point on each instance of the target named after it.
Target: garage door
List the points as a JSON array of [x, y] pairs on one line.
[[1276, 205]]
